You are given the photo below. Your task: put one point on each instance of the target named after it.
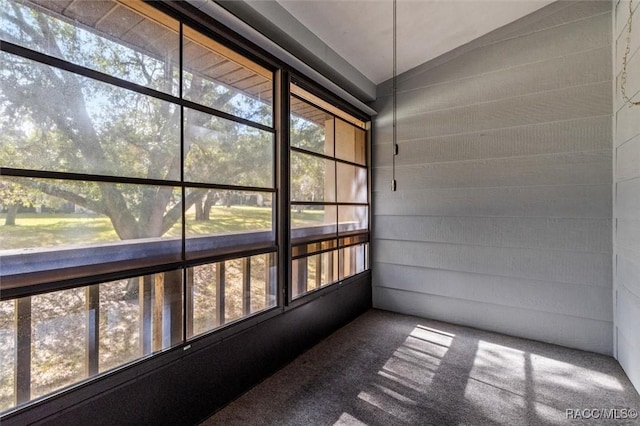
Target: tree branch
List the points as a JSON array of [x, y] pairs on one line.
[[172, 216], [70, 196], [19, 21]]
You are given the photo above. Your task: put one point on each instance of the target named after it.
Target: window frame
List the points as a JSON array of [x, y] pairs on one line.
[[307, 92], [20, 287], [85, 276]]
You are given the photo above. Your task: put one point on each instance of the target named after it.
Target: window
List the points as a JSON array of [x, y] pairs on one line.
[[329, 194], [225, 291], [138, 195], [138, 186]]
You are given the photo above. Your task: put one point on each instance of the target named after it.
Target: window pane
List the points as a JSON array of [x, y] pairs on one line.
[[204, 287], [329, 267], [227, 291], [352, 184], [313, 277], [120, 323], [263, 282], [353, 260], [58, 333], [351, 218], [312, 178], [7, 354], [220, 78], [62, 224], [299, 277], [130, 318], [129, 40], [139, 316], [313, 221], [311, 128], [350, 143], [221, 220], [301, 93], [224, 152], [82, 125], [313, 272], [233, 289]]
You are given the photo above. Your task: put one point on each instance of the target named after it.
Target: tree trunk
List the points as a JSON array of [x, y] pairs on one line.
[[12, 212], [208, 203], [132, 290], [199, 211]]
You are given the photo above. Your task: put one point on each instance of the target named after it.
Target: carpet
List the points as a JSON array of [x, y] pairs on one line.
[[390, 369]]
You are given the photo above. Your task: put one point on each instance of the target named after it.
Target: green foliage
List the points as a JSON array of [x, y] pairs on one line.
[[308, 173]]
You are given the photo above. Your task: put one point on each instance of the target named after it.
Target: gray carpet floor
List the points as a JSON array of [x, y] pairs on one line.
[[390, 369]]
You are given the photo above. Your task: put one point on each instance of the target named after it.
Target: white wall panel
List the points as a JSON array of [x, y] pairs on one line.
[[502, 217], [626, 279]]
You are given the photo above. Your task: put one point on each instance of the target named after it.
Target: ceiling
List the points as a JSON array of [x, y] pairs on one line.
[[361, 31]]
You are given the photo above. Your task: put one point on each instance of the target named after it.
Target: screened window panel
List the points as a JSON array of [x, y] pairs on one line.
[[312, 129], [218, 77], [352, 184], [120, 323], [314, 272], [312, 178], [70, 217], [353, 218], [58, 337], [7, 353], [350, 142], [313, 221], [221, 220], [353, 260], [129, 40], [81, 125], [328, 171], [221, 151], [62, 351], [227, 291]]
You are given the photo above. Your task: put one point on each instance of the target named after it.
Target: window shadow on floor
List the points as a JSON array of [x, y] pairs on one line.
[[387, 369]]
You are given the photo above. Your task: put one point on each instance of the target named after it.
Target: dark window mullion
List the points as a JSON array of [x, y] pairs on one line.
[[229, 187], [187, 323], [40, 174], [225, 115], [328, 203], [84, 177], [335, 179], [230, 256], [326, 157], [282, 103]]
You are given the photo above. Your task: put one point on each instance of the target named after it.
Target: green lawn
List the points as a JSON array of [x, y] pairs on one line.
[[50, 230]]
